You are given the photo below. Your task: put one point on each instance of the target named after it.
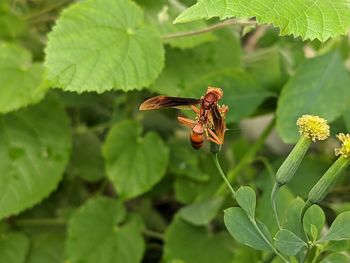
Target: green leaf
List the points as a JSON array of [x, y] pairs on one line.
[[13, 247], [193, 244], [185, 68], [191, 189], [184, 161], [340, 228], [47, 247], [95, 234], [291, 220], [246, 198], [243, 230], [202, 212], [336, 258], [134, 164], [264, 208], [312, 166], [337, 246], [11, 26], [35, 146], [288, 243], [266, 66], [21, 80], [314, 216], [86, 160], [161, 14], [314, 76], [99, 45], [308, 19]]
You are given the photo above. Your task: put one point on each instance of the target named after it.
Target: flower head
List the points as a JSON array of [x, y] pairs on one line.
[[313, 127], [345, 147]]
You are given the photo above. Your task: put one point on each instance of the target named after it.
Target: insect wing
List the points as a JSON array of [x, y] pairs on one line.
[[160, 102], [218, 122]]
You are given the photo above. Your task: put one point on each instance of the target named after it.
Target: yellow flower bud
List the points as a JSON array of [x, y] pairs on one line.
[[313, 127], [344, 150]]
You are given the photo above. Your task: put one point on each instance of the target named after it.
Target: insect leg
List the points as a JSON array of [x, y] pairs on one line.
[[214, 138], [195, 109], [187, 122]]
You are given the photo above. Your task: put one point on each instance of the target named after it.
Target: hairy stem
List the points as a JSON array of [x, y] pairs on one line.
[[273, 203], [213, 27], [218, 166], [153, 234], [47, 9]]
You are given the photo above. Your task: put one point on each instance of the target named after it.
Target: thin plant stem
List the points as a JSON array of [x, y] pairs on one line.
[[213, 27], [153, 234], [41, 222], [273, 203], [268, 242], [248, 158], [317, 254], [218, 166], [47, 9]]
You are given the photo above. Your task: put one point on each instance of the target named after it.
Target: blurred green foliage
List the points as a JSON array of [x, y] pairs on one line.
[[86, 177]]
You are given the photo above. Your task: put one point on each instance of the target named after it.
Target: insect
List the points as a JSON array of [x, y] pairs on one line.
[[210, 117]]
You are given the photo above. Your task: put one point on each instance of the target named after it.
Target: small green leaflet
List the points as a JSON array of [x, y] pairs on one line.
[[21, 81], [243, 230], [314, 218], [288, 243], [95, 234], [35, 147], [340, 228], [99, 45], [309, 19], [336, 258], [246, 199], [134, 164]]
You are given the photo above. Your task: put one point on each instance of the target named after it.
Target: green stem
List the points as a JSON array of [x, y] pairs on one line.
[[268, 241], [216, 26], [46, 9], [41, 222], [247, 158], [305, 208], [218, 166], [273, 203], [153, 234], [317, 254]]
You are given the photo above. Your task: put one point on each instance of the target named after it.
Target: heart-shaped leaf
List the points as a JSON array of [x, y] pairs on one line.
[[21, 81], [95, 234], [35, 146], [99, 45], [134, 164]]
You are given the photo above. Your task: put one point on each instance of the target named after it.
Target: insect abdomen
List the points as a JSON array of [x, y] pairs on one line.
[[196, 140]]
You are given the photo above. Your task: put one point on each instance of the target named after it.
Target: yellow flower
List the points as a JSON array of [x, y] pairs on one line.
[[345, 147], [313, 127]]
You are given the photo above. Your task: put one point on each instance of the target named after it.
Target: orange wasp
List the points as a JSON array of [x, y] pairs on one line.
[[209, 123]]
